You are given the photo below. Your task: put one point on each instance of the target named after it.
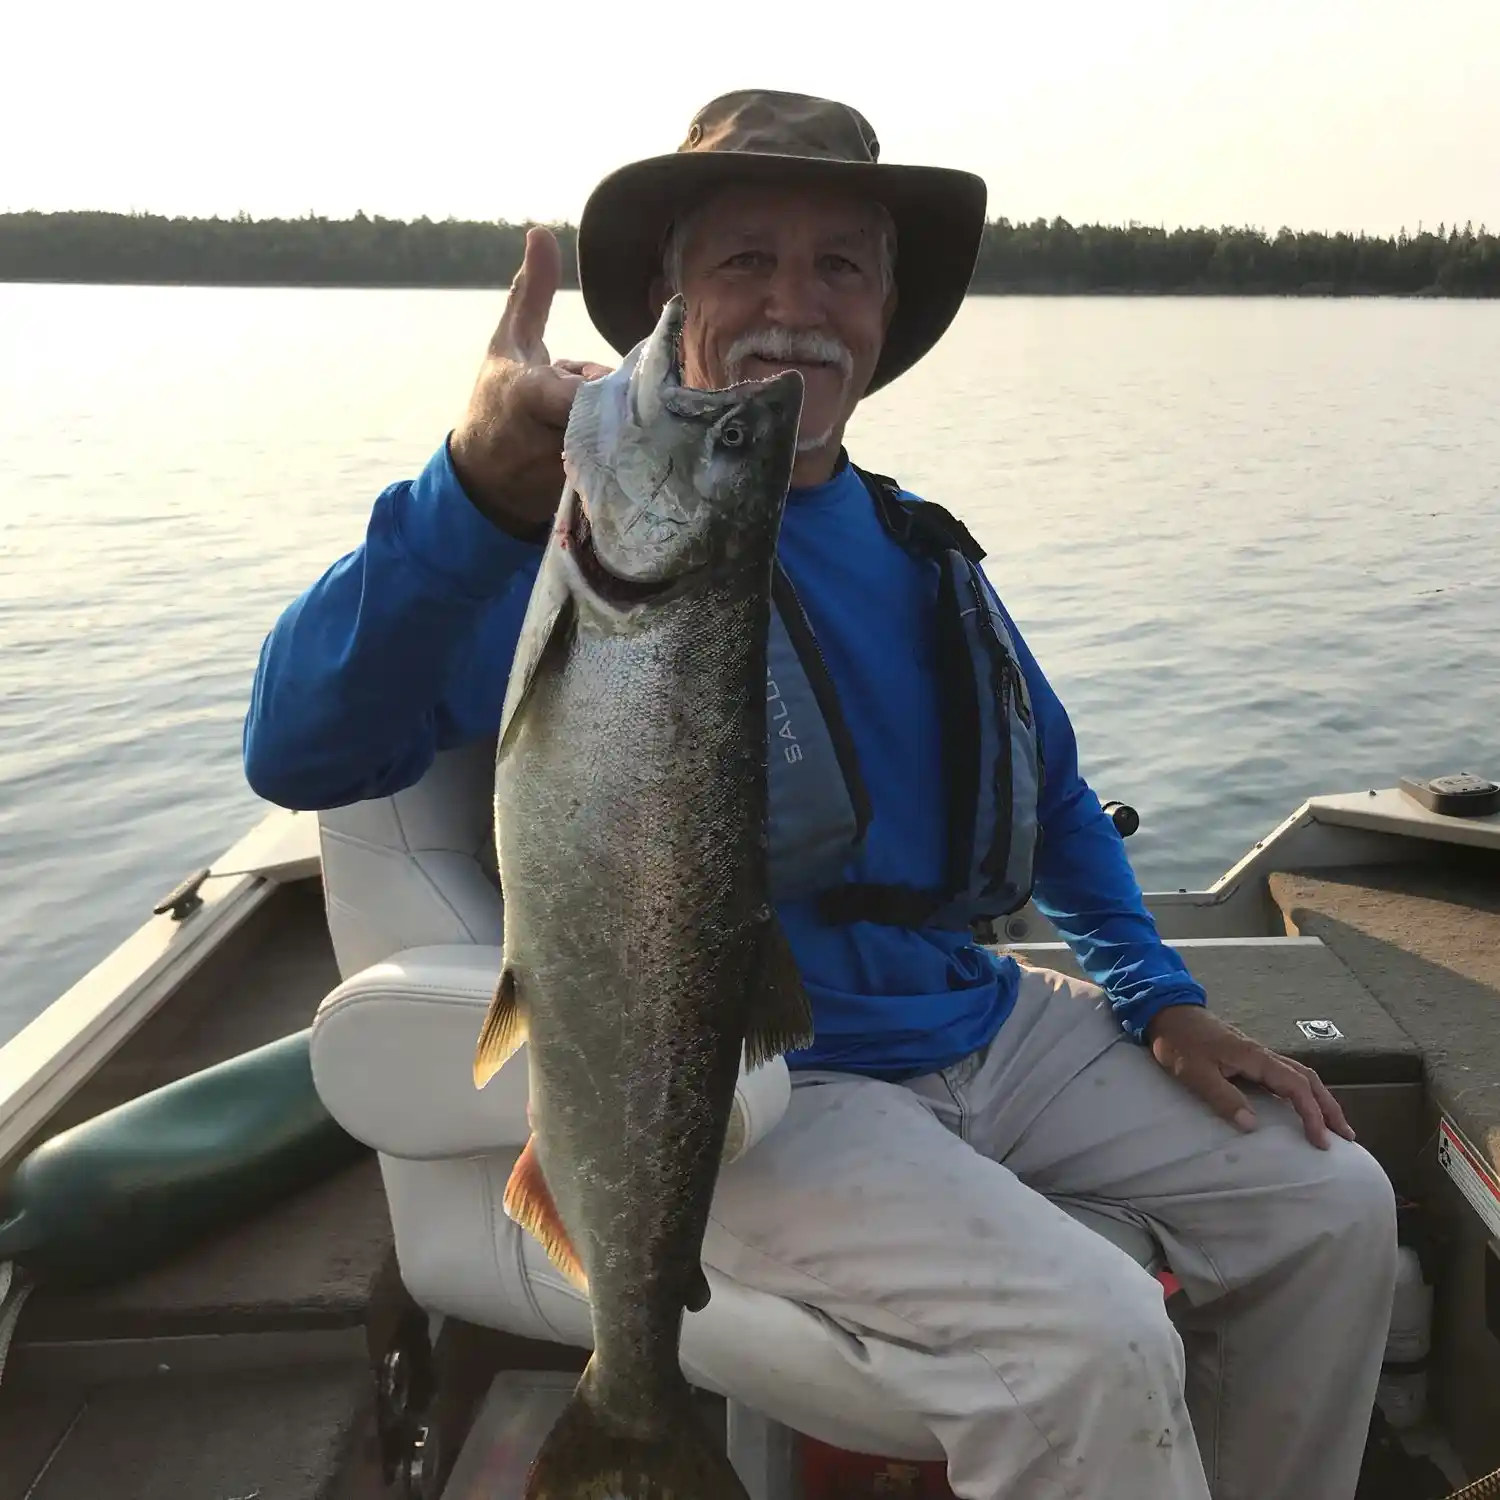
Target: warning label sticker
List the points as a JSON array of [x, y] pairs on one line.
[[1474, 1176]]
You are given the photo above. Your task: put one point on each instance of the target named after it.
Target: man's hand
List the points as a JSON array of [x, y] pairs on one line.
[[1204, 1053], [507, 451]]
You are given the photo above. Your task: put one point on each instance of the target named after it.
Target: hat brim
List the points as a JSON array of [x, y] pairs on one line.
[[938, 213]]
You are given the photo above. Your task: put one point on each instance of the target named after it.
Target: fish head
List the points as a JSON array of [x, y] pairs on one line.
[[668, 483]]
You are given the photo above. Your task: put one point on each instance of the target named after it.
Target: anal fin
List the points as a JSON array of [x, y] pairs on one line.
[[780, 1012], [503, 1031], [528, 1200]]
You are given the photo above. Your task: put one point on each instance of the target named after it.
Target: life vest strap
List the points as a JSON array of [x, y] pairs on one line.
[[886, 905]]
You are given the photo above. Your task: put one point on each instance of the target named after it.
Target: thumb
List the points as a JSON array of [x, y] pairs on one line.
[[518, 335]]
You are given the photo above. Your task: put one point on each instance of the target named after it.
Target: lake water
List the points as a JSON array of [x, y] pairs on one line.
[[1252, 542]]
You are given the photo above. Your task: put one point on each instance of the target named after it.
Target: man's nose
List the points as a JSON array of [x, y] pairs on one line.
[[795, 297]]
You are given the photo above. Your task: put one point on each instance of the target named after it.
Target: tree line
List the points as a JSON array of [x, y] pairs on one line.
[[1043, 256]]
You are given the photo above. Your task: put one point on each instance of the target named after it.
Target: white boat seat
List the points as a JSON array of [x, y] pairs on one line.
[[416, 920]]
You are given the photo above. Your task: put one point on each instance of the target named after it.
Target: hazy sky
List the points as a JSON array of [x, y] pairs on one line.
[[1316, 113]]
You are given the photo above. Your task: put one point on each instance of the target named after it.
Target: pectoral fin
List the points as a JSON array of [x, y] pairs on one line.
[[549, 617], [780, 1012], [503, 1031], [528, 1200]]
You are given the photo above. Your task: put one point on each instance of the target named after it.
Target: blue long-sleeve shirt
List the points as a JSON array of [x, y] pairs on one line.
[[403, 648]]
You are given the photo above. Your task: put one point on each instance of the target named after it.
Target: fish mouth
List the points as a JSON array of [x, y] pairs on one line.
[[610, 587], [672, 375], [658, 380]]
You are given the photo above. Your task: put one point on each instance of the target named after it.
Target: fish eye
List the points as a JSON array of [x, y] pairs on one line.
[[732, 435]]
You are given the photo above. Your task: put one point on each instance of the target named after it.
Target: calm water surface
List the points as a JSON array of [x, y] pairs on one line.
[[1253, 543]]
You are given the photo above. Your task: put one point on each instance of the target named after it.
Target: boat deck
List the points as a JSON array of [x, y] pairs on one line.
[[266, 1333], [242, 1367], [291, 1434]]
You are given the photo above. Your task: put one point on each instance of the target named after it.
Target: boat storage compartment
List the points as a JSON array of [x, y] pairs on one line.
[[1424, 940]]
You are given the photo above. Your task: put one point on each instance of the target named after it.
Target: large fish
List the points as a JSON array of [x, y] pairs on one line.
[[642, 954]]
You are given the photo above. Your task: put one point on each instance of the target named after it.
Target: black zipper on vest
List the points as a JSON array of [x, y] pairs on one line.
[[1013, 672], [1018, 687]]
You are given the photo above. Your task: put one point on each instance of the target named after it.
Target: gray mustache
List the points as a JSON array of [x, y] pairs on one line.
[[791, 345]]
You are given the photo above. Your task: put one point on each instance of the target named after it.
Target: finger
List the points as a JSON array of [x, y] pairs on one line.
[[1333, 1112], [1304, 1101], [522, 325], [1221, 1096], [1282, 1078]]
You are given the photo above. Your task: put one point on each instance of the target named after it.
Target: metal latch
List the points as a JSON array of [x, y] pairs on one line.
[[1319, 1031]]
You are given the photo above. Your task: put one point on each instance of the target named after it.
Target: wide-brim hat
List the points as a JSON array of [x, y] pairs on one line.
[[763, 136]]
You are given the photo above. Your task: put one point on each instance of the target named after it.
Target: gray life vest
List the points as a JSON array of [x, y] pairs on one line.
[[819, 806]]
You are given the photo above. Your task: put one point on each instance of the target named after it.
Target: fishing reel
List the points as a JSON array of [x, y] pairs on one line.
[[1125, 818]]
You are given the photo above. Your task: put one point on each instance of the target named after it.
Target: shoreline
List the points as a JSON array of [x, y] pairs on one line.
[[1312, 291], [1040, 258]]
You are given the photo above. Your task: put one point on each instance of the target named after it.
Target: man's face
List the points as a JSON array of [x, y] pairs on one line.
[[783, 278]]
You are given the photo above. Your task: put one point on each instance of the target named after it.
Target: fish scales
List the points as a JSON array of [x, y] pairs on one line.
[[644, 901]]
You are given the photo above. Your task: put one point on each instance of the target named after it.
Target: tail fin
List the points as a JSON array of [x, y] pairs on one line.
[[585, 1457]]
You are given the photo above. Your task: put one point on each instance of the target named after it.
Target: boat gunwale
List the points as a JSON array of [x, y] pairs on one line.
[[60, 1049]]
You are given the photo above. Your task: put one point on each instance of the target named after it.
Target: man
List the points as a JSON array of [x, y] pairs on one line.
[[949, 1097]]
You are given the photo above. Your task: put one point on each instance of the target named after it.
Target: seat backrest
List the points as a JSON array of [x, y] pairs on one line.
[[415, 869]]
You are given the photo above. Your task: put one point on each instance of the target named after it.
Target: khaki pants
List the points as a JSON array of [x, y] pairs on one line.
[[1041, 1356]]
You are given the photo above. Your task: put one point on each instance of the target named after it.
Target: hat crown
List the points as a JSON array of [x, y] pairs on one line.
[[770, 122]]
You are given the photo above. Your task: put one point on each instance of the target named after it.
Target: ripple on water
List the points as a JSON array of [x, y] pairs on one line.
[[1245, 540]]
